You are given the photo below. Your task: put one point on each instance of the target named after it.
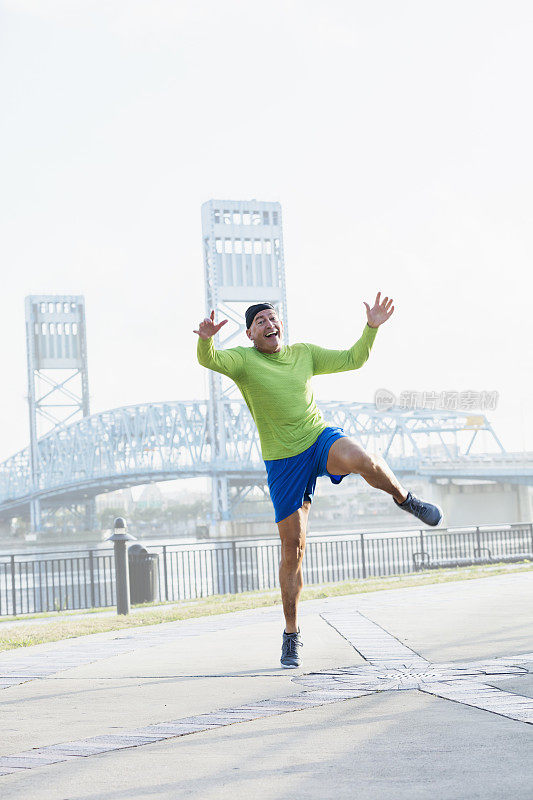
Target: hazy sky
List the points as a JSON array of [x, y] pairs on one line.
[[396, 135]]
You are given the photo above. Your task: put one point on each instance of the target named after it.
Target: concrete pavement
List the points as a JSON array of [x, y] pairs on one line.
[[422, 692]]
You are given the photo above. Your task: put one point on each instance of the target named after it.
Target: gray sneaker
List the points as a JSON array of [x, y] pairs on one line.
[[290, 657], [427, 512]]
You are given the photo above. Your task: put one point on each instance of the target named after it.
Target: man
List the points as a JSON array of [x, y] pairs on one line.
[[297, 445]]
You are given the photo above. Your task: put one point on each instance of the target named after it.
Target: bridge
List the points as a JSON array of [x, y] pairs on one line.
[[73, 455], [138, 444]]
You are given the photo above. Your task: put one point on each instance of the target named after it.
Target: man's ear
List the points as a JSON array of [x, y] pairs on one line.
[[248, 333]]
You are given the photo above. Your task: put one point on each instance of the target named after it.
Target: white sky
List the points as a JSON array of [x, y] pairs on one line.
[[397, 137]]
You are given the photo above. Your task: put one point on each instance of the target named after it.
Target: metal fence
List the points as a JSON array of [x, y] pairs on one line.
[[60, 580]]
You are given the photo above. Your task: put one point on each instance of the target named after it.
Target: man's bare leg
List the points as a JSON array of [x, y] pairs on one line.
[[346, 456], [292, 532]]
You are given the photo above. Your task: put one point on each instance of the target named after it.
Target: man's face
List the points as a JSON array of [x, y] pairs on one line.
[[266, 331]]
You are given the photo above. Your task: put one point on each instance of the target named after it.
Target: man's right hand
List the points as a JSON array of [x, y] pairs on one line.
[[207, 327]]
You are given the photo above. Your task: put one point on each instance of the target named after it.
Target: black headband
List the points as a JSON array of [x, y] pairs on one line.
[[253, 310]]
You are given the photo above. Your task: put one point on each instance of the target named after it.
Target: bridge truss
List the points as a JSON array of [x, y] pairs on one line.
[[135, 445]]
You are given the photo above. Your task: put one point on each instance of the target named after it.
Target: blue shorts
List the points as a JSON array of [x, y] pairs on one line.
[[293, 480]]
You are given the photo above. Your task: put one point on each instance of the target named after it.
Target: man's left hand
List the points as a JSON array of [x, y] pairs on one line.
[[381, 311]]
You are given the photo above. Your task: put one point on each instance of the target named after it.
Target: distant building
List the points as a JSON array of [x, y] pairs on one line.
[[151, 497], [122, 499]]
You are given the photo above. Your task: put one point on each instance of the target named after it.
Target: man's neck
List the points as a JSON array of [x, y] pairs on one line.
[[269, 352]]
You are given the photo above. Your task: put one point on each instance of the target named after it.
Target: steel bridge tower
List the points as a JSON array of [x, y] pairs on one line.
[[244, 264], [58, 383]]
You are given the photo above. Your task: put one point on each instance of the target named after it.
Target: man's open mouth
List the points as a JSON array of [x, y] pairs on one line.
[[274, 333]]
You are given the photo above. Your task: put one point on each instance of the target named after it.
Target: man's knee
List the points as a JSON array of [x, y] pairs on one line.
[[292, 534], [293, 548], [371, 462], [293, 542], [358, 460]]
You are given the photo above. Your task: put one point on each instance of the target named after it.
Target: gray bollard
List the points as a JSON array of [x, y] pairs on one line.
[[119, 538]]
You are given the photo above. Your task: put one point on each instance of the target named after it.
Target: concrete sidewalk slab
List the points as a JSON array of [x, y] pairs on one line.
[[402, 746], [252, 649], [399, 740], [452, 621]]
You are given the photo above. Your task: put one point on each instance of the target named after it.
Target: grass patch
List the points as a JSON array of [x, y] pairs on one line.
[[65, 625]]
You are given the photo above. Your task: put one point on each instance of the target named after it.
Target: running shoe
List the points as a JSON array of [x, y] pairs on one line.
[[290, 657], [427, 512]]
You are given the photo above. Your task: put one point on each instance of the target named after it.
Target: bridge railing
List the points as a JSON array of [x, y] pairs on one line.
[[77, 579]]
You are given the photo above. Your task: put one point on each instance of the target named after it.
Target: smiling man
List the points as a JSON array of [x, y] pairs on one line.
[[296, 443]]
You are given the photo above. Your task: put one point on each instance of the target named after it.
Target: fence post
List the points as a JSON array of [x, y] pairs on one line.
[[422, 545], [122, 577], [165, 574], [363, 561], [13, 588], [531, 534], [91, 571], [478, 543], [234, 563]]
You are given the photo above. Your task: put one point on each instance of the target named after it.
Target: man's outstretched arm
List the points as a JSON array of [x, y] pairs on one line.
[[228, 362], [327, 361]]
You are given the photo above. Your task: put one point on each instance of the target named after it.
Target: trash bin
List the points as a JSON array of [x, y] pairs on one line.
[[144, 574]]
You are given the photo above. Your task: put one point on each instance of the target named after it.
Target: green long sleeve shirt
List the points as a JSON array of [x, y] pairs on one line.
[[277, 387]]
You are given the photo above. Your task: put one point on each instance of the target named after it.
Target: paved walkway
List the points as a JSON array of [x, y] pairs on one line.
[[421, 692]]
